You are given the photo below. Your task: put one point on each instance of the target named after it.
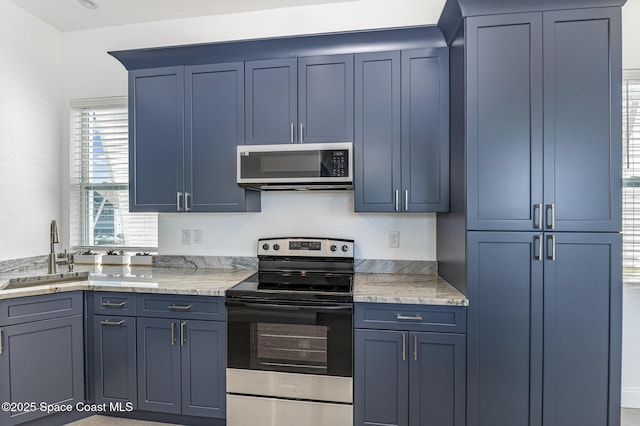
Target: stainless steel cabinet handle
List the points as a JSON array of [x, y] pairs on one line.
[[178, 198], [291, 137], [397, 200], [538, 255], [173, 334], [108, 304], [552, 222], [538, 224], [417, 317], [415, 347], [183, 337], [181, 307], [187, 195], [0, 341], [107, 322], [300, 131], [404, 347], [406, 200], [552, 254]]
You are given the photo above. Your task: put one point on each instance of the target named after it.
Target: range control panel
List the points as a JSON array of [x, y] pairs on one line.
[[305, 247]]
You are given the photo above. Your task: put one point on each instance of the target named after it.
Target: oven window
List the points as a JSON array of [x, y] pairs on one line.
[[291, 345]]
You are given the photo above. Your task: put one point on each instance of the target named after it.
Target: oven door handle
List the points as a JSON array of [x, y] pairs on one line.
[[294, 307]]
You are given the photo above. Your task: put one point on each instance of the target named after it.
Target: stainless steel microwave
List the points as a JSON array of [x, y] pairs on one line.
[[307, 166]]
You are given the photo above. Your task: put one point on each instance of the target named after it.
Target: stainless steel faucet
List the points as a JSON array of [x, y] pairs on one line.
[[53, 266]]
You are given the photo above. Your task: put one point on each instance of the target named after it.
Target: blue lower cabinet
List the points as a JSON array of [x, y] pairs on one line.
[[40, 362], [409, 378], [181, 366], [114, 345]]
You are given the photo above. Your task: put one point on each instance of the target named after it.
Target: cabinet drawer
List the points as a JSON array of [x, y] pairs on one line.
[[443, 319], [180, 306], [114, 303], [37, 308]]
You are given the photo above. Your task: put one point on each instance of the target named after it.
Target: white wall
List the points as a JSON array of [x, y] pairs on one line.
[[90, 72], [30, 132]]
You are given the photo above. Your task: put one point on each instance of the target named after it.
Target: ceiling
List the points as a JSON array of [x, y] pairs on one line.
[[70, 15]]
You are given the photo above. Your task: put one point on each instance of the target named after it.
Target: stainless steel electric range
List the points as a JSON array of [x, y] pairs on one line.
[[290, 344]]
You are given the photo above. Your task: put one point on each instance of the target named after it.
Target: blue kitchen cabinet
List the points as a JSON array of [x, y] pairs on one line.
[[408, 377], [156, 139], [181, 360], [543, 144], [185, 124], [402, 131], [41, 354], [309, 99], [544, 344]]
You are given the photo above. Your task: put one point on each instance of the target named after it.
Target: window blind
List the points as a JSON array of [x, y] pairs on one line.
[[631, 174], [100, 179]]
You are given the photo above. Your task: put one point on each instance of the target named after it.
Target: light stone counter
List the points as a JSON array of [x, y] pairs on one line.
[[406, 288], [377, 288], [205, 282]]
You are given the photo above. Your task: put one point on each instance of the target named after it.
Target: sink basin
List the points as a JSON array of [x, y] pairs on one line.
[[24, 282]]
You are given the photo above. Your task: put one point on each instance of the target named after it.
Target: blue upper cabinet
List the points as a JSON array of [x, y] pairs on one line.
[[299, 100], [215, 126], [185, 124], [543, 147], [325, 99], [156, 139], [402, 131]]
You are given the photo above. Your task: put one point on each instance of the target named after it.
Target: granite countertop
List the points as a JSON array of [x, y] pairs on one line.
[[376, 288]]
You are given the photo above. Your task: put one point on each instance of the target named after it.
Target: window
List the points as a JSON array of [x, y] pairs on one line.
[[99, 179], [631, 174]]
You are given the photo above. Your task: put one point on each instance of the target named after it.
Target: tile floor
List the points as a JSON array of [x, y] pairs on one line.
[[630, 417]]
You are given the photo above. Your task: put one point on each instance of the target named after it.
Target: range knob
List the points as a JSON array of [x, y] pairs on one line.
[[333, 247], [345, 248], [276, 246], [265, 247]]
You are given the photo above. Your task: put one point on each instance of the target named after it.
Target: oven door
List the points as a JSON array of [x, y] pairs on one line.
[[290, 337]]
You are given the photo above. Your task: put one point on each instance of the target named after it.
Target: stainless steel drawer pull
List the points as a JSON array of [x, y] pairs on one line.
[[178, 198], [107, 322], [180, 307], [0, 341], [552, 222], [291, 138], [406, 200], [552, 254], [538, 208], [397, 200], [187, 195], [108, 304], [183, 337], [537, 239], [300, 135], [415, 347], [173, 334], [404, 347], [413, 318]]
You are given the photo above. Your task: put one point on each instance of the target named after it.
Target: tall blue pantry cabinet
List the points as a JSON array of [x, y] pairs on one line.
[[533, 233]]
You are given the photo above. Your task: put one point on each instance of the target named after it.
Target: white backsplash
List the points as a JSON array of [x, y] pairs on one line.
[[309, 214]]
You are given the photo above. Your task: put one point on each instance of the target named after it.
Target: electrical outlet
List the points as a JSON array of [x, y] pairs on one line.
[[185, 236], [394, 239], [197, 236]]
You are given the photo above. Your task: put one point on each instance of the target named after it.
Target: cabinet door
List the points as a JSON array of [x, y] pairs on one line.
[[325, 99], [582, 139], [115, 359], [504, 122], [425, 130], [204, 363], [158, 352], [377, 134], [504, 332], [437, 379], [381, 377], [41, 362], [271, 101], [214, 127], [582, 329], [156, 135]]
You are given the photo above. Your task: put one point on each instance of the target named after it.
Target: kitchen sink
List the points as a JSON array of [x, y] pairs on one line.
[[38, 280]]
